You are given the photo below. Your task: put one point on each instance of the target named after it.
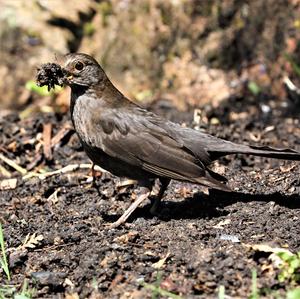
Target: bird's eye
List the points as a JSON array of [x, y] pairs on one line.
[[79, 66]]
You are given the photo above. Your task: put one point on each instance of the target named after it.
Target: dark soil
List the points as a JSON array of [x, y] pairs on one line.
[[203, 237], [49, 74]]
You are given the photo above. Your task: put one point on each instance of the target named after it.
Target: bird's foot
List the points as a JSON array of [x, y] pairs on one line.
[[155, 204], [91, 183], [140, 198], [157, 194], [95, 174]]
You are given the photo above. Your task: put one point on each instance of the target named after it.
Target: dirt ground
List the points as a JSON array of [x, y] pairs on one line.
[[198, 243]]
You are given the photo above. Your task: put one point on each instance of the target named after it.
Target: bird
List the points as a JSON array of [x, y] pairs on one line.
[[130, 141]]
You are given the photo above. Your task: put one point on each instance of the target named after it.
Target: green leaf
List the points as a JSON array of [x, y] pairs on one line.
[[295, 263], [254, 88], [295, 66], [21, 296], [293, 294], [254, 292], [42, 91], [221, 294], [89, 29], [285, 256], [143, 95], [3, 259], [160, 291]]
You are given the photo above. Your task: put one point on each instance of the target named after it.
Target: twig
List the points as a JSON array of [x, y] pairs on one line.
[[130, 210], [60, 135], [68, 168], [4, 172], [13, 164], [47, 129], [291, 86], [53, 197]]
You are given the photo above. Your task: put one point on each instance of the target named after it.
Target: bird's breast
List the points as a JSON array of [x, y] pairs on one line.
[[83, 109]]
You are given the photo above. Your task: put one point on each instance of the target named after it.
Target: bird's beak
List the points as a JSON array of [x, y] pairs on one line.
[[68, 79], [68, 76]]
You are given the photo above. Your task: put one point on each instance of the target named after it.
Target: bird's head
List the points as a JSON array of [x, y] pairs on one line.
[[81, 69]]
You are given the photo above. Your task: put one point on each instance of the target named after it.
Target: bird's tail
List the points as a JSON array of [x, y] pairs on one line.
[[211, 182], [266, 151], [262, 151]]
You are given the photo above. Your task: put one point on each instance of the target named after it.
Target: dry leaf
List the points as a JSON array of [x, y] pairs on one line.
[[161, 262], [31, 241]]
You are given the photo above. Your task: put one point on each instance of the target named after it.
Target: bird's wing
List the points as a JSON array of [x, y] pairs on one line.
[[138, 137]]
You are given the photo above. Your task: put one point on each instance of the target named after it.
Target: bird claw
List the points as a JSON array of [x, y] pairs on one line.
[[155, 203]]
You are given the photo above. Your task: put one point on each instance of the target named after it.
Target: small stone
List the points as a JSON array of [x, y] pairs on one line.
[[49, 278], [17, 257]]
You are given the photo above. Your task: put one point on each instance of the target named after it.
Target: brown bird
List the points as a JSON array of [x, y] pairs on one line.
[[132, 142]]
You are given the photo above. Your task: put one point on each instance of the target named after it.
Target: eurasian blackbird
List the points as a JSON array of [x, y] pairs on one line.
[[132, 142]]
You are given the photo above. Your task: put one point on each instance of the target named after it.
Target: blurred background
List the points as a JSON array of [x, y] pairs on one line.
[[186, 53]]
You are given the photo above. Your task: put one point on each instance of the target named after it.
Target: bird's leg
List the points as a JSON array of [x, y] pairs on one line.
[[164, 185], [142, 195], [94, 175], [93, 172]]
